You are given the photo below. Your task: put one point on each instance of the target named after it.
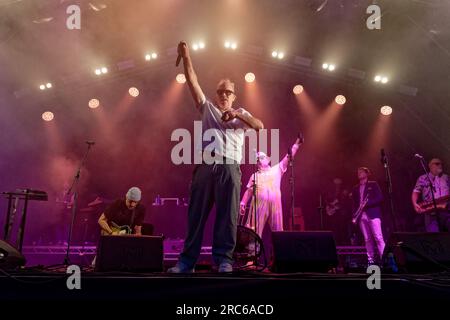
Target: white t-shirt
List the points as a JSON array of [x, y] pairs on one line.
[[225, 138]]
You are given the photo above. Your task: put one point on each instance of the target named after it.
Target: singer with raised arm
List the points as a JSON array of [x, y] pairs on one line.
[[268, 192], [218, 181], [436, 183], [367, 198]]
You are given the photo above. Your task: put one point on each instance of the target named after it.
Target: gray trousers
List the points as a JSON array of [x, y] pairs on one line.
[[218, 184]]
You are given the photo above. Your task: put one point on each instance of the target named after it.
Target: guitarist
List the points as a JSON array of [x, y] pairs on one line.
[[368, 196], [441, 188], [124, 212]]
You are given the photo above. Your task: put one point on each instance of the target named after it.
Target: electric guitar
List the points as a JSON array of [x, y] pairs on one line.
[[116, 229], [359, 211], [428, 206], [335, 205]]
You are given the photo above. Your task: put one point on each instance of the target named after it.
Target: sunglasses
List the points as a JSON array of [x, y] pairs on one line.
[[437, 163], [227, 92]]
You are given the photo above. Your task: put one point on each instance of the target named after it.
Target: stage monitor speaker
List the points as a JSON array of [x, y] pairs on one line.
[[419, 251], [306, 251], [130, 253], [10, 258]]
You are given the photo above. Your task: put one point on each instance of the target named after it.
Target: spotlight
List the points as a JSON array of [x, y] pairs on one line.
[[104, 70], [328, 66], [250, 77], [381, 78], [94, 103], [181, 78], [134, 92], [340, 99], [148, 57], [230, 45], [48, 85], [278, 54], [42, 87], [195, 47], [48, 116], [154, 55], [201, 45], [98, 72], [386, 110], [297, 89]]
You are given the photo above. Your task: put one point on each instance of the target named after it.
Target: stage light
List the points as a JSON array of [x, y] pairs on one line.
[[48, 85], [148, 57], [181, 78], [381, 78], [154, 55], [328, 66], [42, 87], [104, 70], [134, 92], [98, 72], [340, 99], [297, 89], [230, 45], [201, 45], [48, 116], [94, 103], [278, 54], [250, 77], [386, 110], [195, 47]]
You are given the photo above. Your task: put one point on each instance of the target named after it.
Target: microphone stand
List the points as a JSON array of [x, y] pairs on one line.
[[320, 208], [74, 190], [291, 181], [387, 170], [255, 210], [432, 189]]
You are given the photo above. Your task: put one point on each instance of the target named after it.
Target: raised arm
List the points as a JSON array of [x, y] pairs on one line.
[[294, 149], [191, 77]]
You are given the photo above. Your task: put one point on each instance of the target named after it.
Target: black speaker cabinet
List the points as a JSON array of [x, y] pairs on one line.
[[10, 258], [306, 251], [130, 253], [419, 251]]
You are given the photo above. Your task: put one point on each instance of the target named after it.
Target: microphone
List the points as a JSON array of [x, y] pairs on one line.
[[90, 142], [418, 156]]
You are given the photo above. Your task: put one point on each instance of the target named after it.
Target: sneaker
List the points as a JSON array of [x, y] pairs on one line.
[[225, 267], [181, 268]]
